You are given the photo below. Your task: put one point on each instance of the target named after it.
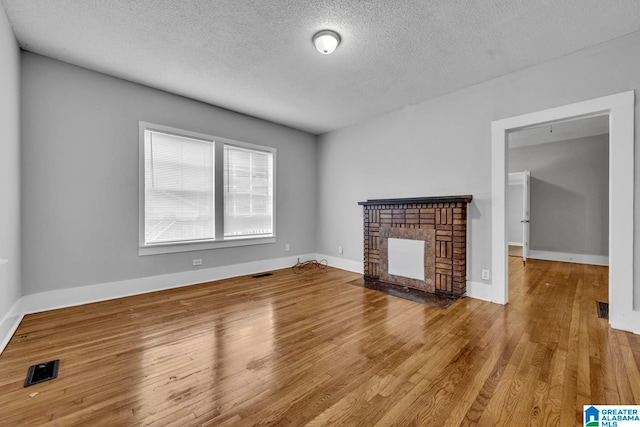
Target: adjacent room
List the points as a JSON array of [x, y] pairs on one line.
[[318, 213], [566, 209]]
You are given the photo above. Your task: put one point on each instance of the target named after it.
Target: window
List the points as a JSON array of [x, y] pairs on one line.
[[248, 192], [178, 187], [199, 192]]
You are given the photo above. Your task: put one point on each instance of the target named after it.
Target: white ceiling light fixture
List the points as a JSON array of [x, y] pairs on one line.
[[326, 41]]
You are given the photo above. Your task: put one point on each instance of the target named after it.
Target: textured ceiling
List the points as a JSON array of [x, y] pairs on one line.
[[256, 56]]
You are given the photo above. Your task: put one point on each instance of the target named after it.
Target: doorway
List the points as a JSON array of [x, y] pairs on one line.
[[569, 191], [620, 110]]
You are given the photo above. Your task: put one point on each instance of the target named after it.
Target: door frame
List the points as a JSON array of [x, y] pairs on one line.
[[620, 109]]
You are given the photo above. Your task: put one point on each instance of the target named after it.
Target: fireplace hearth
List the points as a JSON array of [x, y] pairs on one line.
[[418, 243]]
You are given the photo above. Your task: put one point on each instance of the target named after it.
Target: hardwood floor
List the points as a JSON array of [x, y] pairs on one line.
[[310, 349]]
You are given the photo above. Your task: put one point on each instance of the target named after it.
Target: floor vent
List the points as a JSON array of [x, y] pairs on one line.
[[603, 310], [257, 276], [42, 372]]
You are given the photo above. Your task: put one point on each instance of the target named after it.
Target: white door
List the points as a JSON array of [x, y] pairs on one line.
[[526, 217]]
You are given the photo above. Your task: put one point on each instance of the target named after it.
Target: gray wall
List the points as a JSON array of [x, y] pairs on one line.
[[10, 288], [569, 194], [80, 177], [443, 146]]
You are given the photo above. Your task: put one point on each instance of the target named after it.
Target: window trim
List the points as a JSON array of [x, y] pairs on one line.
[[220, 241]]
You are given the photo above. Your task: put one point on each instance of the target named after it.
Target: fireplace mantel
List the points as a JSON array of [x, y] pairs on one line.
[[440, 222], [420, 200]]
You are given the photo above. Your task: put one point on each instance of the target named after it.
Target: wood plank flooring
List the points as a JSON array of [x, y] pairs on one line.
[[310, 349]]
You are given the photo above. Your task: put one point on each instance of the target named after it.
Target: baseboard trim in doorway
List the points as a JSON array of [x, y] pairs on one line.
[[515, 250], [569, 257]]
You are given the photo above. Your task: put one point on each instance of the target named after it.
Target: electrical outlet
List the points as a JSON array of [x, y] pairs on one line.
[[197, 262], [340, 250], [287, 248], [485, 274]]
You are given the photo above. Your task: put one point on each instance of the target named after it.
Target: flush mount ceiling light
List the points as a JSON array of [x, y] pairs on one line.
[[326, 41]]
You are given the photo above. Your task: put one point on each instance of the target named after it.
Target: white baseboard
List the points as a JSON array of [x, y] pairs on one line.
[[515, 244], [479, 290], [342, 263], [568, 257], [9, 324], [69, 297]]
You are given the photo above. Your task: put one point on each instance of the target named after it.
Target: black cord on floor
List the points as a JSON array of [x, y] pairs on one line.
[[302, 267]]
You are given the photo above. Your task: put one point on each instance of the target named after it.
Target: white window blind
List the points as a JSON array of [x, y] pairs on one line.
[[248, 192], [179, 188]]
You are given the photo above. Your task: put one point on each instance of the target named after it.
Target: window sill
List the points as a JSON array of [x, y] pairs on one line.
[[201, 246]]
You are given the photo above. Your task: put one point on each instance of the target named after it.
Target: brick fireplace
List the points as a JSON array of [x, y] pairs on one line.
[[399, 234]]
